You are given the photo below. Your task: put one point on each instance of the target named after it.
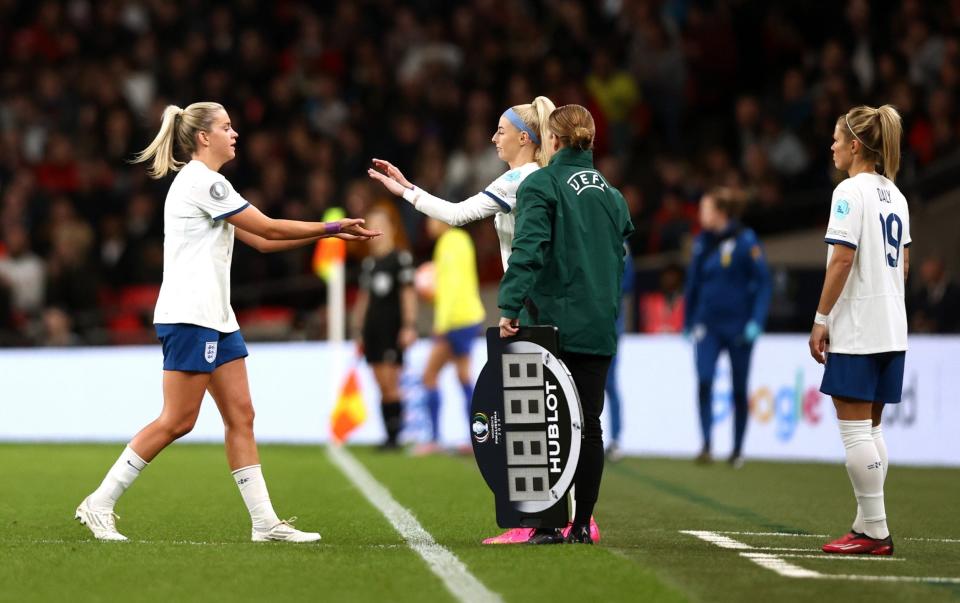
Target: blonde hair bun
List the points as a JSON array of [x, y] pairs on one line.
[[574, 126]]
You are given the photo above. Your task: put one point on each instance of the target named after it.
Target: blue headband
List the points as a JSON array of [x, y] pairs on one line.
[[521, 125]]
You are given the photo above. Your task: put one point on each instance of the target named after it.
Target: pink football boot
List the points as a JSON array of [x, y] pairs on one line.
[[522, 535], [511, 536], [594, 530]]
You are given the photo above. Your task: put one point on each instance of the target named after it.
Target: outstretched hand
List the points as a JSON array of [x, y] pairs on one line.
[[389, 176], [392, 171], [351, 229]]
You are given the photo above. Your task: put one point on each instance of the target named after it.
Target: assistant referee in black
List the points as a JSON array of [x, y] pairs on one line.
[[565, 271]]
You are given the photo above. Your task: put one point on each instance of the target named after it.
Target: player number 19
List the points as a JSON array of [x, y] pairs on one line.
[[892, 229]]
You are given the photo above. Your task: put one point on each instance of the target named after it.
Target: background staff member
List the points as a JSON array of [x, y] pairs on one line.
[[567, 263], [386, 315], [727, 298], [614, 403]]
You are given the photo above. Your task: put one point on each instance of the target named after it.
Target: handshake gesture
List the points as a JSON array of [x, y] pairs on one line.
[[351, 229]]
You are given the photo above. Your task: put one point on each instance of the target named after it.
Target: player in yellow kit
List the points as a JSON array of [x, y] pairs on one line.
[[458, 317]]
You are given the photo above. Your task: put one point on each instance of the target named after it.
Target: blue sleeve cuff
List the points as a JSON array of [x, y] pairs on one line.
[[500, 202], [230, 213], [839, 242]]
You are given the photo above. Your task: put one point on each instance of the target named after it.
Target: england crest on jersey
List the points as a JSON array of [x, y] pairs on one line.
[[210, 352]]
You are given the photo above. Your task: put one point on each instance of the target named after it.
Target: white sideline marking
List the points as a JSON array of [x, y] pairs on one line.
[[778, 564], [843, 557], [926, 579], [455, 576], [788, 534], [725, 542], [784, 568], [792, 535], [717, 539]]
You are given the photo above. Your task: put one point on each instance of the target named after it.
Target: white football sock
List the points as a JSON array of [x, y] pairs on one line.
[[881, 445], [117, 480], [866, 475], [253, 489]]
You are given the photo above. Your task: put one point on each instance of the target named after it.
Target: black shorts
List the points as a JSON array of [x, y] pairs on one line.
[[381, 346]]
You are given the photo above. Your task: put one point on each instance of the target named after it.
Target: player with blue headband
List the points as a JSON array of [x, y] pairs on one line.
[[520, 133], [520, 130], [514, 118]]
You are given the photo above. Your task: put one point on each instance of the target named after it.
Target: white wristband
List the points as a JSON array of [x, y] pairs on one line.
[[411, 194], [820, 319]]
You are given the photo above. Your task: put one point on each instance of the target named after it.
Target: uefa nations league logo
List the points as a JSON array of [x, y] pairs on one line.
[[480, 428]]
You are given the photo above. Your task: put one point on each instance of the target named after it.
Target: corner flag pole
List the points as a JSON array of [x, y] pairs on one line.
[[328, 264]]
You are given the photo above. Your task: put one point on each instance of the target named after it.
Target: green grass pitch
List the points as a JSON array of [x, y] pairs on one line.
[[190, 532]]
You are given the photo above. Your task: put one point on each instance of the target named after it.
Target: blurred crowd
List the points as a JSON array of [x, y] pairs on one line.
[[686, 95]]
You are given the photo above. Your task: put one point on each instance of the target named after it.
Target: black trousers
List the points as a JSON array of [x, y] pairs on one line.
[[589, 374]]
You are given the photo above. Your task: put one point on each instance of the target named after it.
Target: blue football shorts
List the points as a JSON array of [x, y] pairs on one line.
[[198, 349], [866, 377], [461, 340]]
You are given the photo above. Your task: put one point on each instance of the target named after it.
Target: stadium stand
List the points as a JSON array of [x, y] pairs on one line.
[[686, 95]]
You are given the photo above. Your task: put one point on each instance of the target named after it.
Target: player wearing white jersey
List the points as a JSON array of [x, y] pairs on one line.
[[861, 316], [869, 211], [518, 140], [519, 137], [203, 349]]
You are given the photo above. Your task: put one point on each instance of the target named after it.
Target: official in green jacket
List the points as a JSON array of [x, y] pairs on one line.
[[565, 270]]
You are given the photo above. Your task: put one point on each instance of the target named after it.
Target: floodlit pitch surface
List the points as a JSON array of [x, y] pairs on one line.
[[409, 530]]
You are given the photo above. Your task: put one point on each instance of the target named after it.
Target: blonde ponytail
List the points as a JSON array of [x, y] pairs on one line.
[[878, 130], [891, 129], [178, 131], [544, 107], [535, 115], [161, 149]]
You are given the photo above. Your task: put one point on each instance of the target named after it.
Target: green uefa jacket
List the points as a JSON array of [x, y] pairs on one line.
[[568, 253]]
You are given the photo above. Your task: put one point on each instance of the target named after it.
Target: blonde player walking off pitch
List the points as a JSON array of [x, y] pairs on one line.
[[861, 317], [203, 350]]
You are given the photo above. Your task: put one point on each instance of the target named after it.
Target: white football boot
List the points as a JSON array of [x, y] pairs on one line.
[[283, 532], [102, 524]]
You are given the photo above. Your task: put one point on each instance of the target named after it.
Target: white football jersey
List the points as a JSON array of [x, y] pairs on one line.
[[869, 214], [503, 190], [498, 200], [198, 249]]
